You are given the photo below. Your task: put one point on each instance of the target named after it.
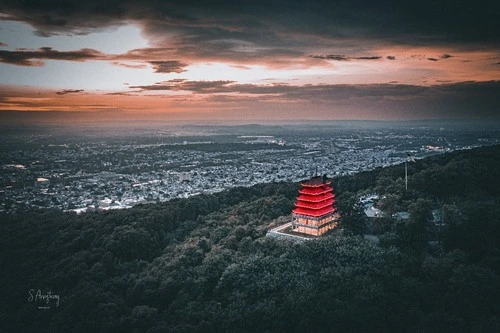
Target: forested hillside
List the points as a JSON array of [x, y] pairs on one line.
[[203, 264]]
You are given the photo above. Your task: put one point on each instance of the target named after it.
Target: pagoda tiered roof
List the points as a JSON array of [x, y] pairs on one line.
[[315, 190], [314, 205], [315, 198], [313, 212], [316, 182]]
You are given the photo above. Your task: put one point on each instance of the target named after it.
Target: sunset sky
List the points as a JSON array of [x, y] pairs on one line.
[[252, 60]]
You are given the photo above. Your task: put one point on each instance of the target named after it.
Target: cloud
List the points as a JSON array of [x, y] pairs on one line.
[[227, 99], [306, 34], [201, 87], [368, 58], [365, 101], [325, 91], [69, 91], [136, 59], [22, 57], [120, 94], [129, 65], [338, 57], [321, 91], [140, 58], [3, 44], [168, 66], [264, 32]]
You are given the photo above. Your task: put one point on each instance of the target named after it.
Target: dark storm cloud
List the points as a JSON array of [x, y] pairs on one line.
[[22, 57], [168, 66], [291, 24], [69, 91]]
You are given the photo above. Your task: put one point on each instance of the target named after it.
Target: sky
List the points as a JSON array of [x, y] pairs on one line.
[[251, 60]]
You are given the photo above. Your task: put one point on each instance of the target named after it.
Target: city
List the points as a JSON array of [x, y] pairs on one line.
[[120, 169]]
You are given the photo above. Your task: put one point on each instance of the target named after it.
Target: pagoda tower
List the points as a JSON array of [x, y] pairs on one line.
[[314, 212]]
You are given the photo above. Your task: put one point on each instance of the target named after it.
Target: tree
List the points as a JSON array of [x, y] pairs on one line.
[[389, 204], [416, 226], [352, 216], [452, 218]]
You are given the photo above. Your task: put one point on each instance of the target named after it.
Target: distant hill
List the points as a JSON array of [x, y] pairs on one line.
[[203, 264]]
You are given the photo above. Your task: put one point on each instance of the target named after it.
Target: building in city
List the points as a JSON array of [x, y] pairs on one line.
[[42, 182]]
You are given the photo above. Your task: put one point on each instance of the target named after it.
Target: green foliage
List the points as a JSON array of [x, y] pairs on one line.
[[352, 217], [390, 203]]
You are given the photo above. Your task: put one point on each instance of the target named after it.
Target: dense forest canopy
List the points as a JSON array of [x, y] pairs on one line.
[[203, 264]]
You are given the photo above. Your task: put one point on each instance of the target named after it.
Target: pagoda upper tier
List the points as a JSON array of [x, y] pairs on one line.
[[315, 190], [316, 198]]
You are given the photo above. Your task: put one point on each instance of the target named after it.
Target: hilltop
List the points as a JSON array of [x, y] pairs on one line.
[[203, 264]]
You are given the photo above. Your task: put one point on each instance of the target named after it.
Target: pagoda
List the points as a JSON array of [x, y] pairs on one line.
[[314, 212]]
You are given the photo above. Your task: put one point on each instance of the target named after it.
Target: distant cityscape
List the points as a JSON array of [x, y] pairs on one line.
[[116, 169]]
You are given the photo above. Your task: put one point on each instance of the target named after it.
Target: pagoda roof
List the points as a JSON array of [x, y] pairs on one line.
[[316, 190], [316, 182], [314, 205], [314, 212], [316, 198]]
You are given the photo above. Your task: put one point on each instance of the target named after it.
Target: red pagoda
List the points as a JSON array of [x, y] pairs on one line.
[[314, 212]]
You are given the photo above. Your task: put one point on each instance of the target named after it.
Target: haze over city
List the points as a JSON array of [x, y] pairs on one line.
[[250, 61]]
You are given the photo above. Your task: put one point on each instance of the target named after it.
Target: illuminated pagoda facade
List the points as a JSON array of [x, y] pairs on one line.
[[314, 212]]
